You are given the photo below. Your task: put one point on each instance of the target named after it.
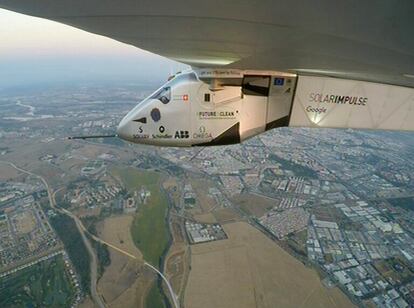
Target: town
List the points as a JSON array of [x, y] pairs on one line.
[[340, 201]]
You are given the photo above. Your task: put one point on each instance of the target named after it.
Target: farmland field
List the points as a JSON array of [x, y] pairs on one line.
[[122, 284], [250, 270]]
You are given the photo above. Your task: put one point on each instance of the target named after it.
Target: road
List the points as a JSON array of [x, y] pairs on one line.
[[94, 261], [80, 225], [170, 289], [94, 293]]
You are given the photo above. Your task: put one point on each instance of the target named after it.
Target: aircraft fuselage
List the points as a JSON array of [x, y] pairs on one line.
[[215, 110]]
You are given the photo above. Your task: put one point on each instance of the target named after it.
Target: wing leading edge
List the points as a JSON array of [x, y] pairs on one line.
[[370, 40]]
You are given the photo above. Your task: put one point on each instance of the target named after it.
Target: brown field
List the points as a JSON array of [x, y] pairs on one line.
[[194, 211], [201, 187], [170, 183], [250, 270], [226, 215], [207, 218], [90, 151], [7, 172], [25, 222], [116, 230], [47, 170], [253, 204], [26, 155], [27, 152], [177, 231], [125, 282], [176, 268], [72, 164], [86, 212]]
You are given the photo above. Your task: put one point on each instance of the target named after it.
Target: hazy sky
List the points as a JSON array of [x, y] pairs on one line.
[[36, 51]]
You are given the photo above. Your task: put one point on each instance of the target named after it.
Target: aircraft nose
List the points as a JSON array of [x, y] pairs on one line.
[[123, 130]]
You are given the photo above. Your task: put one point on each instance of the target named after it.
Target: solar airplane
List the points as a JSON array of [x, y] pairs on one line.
[[257, 65]]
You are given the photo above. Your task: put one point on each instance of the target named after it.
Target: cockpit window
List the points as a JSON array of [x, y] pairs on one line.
[[182, 78], [163, 95]]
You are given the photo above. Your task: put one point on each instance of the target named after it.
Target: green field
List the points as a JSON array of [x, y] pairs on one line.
[[154, 298], [133, 179], [45, 284], [149, 229]]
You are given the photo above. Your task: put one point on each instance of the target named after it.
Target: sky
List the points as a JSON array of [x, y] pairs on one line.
[[39, 51]]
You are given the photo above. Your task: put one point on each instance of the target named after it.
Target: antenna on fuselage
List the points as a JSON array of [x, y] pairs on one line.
[[91, 137]]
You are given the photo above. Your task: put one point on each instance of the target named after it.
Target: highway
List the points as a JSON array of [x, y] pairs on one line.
[[94, 292]]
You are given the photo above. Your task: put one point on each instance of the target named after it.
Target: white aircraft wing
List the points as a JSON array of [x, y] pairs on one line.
[[369, 40], [334, 102]]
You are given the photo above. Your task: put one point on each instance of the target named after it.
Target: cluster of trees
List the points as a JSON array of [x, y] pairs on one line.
[[66, 228], [102, 251], [297, 169], [104, 257], [406, 203]]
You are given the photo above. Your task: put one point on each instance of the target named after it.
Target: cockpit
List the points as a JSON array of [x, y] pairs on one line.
[[157, 118]]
